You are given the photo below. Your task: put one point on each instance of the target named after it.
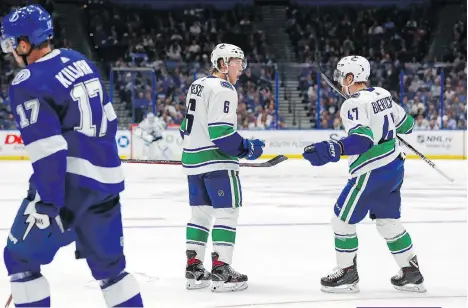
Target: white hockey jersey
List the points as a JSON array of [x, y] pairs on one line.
[[372, 113], [154, 127], [211, 114]]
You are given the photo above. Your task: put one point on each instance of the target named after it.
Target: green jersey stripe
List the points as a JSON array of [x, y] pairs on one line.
[[374, 153], [206, 156], [406, 126], [183, 125], [362, 130], [220, 131]]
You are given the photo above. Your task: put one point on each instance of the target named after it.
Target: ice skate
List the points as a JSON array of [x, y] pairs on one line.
[[409, 278], [342, 280], [225, 278], [195, 273]]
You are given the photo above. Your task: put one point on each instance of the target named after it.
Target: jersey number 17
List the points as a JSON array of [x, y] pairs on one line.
[[83, 93]]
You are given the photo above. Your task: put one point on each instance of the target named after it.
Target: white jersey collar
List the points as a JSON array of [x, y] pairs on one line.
[[49, 56]]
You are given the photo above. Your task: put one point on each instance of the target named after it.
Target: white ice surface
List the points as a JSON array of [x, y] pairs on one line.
[[284, 239]]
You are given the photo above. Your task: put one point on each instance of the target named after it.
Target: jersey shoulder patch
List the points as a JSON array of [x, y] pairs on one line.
[[226, 84], [21, 76]]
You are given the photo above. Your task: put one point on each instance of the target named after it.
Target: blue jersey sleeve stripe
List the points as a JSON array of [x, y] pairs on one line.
[[220, 123], [231, 144], [401, 122], [105, 175], [45, 147]]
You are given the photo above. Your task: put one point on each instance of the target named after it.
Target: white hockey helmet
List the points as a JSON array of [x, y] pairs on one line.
[[225, 52], [356, 65]]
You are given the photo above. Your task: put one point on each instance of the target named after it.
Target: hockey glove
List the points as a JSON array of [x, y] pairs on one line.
[[253, 149], [46, 214], [319, 154]]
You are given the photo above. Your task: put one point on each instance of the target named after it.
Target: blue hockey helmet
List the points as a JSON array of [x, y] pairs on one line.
[[31, 21]]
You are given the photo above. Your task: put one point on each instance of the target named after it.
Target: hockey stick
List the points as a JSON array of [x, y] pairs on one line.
[[9, 301], [270, 163], [409, 146]]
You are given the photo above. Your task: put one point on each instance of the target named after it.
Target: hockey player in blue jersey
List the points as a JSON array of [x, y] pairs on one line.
[[68, 126]]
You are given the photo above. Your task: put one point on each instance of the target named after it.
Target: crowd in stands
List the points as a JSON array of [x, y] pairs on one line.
[[375, 33], [396, 42], [177, 45], [419, 90]]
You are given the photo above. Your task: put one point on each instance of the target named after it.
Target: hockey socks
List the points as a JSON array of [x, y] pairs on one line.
[[346, 242], [398, 240], [30, 290], [224, 233], [401, 248], [346, 246], [121, 291], [224, 238], [197, 237], [198, 229]]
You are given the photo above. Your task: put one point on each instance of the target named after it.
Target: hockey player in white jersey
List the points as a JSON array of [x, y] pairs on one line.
[[376, 166], [150, 130], [210, 158]]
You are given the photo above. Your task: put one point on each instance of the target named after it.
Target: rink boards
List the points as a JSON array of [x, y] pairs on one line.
[[442, 144]]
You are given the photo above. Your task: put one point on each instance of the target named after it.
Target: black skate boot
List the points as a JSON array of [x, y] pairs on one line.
[[197, 276], [409, 278], [342, 280], [225, 278]]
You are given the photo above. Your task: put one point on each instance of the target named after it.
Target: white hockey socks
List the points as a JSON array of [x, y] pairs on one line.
[[224, 233], [398, 240], [198, 229], [30, 290], [346, 242], [121, 291]]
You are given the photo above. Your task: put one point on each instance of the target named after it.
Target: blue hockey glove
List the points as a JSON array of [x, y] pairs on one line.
[[319, 154], [253, 149], [46, 214]]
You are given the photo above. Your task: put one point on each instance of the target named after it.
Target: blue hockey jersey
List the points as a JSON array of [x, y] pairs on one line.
[[68, 126]]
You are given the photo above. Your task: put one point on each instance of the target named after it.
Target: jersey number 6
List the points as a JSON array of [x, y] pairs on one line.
[[190, 117]]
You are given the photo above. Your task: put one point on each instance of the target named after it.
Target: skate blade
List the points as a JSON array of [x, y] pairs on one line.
[[220, 286], [418, 288], [347, 288], [193, 284]]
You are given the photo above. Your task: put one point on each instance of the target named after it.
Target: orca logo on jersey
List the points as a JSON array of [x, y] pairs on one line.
[[21, 76], [196, 89], [226, 85]]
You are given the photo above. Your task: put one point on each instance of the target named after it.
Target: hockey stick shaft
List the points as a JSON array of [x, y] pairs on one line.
[[270, 163], [409, 146], [9, 301], [427, 160]]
